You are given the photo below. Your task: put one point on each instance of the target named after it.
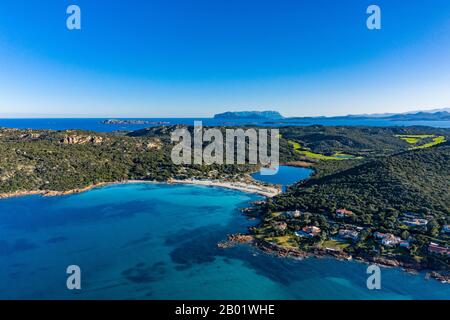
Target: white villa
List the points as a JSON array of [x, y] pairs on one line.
[[416, 222], [348, 234], [388, 239], [294, 214]]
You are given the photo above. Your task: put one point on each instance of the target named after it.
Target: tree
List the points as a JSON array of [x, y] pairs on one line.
[[405, 235], [433, 228]]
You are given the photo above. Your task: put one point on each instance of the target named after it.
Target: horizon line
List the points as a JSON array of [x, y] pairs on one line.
[[6, 116]]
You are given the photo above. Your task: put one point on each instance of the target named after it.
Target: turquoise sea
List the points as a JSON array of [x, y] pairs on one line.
[[285, 176], [157, 241]]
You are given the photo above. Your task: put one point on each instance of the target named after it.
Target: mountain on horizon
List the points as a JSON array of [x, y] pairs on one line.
[[431, 115], [265, 115], [421, 116], [384, 115]]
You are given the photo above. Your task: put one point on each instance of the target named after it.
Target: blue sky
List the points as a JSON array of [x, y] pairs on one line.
[[169, 58]]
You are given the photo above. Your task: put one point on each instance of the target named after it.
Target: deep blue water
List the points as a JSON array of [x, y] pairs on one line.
[[96, 125], [145, 241], [286, 175]]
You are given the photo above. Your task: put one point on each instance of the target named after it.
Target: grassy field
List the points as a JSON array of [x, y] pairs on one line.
[[275, 214], [287, 241], [308, 153], [416, 139], [334, 244], [435, 142]]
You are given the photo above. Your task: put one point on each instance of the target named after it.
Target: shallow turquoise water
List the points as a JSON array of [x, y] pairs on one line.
[[285, 176], [147, 241]]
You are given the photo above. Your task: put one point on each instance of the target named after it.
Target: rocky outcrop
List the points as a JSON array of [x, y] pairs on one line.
[[280, 251], [154, 144], [444, 277], [240, 238], [235, 239], [80, 139], [386, 262]]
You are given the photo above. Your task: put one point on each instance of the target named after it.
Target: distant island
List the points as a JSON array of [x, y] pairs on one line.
[[116, 121], [265, 115], [421, 116]]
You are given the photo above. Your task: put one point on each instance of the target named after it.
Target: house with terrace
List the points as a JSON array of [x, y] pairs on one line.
[[294, 214], [348, 234], [308, 232], [343, 213], [416, 222], [387, 239]]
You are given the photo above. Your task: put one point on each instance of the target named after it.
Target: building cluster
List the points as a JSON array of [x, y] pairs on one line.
[[386, 239]]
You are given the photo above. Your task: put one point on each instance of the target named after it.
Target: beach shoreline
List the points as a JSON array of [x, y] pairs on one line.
[[233, 185]]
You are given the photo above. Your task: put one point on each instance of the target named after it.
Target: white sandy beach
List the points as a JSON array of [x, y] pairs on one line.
[[241, 186]]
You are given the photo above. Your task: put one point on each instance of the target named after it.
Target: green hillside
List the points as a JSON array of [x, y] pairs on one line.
[[416, 180]]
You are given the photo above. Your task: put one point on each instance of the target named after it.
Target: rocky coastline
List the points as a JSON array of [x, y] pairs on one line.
[[296, 253]]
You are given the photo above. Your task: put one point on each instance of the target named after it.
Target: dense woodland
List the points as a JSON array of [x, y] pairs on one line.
[[416, 180], [66, 160]]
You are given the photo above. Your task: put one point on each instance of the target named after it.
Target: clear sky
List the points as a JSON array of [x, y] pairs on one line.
[[193, 58]]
